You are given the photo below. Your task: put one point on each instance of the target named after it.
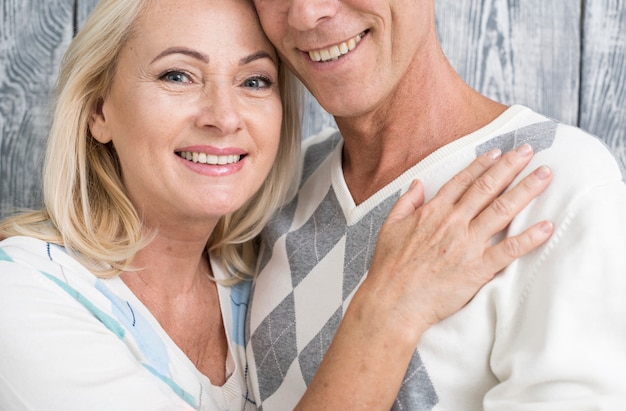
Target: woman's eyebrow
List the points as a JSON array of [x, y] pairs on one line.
[[182, 50], [256, 56], [205, 59]]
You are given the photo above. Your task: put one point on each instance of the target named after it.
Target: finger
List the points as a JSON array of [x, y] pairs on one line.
[[454, 189], [493, 181], [511, 248], [408, 202], [504, 208]]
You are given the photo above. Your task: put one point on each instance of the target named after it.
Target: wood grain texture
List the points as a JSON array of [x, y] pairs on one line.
[[516, 52], [34, 35], [83, 8], [603, 65], [315, 117]]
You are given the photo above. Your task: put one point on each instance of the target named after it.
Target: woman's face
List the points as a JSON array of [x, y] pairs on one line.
[[194, 111]]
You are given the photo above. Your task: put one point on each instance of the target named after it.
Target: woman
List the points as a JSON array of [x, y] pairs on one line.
[[174, 135]]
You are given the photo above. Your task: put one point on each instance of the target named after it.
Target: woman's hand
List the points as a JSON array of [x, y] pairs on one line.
[[430, 260]]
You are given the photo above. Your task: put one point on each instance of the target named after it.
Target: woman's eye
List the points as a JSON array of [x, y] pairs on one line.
[[258, 82], [176, 77]]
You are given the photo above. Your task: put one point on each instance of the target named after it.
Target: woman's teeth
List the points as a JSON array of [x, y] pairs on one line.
[[211, 159], [336, 51]]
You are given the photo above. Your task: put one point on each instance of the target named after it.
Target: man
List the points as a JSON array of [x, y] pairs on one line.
[[549, 333]]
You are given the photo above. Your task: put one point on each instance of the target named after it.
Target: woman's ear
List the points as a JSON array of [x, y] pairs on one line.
[[98, 126]]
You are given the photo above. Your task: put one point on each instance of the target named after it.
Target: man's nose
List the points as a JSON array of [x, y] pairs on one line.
[[307, 14]]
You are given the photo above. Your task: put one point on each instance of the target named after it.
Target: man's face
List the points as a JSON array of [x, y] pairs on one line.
[[350, 54]]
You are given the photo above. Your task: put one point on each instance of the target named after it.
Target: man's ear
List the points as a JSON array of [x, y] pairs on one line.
[[98, 126]]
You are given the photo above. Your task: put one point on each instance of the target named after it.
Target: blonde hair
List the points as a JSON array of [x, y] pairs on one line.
[[86, 209]]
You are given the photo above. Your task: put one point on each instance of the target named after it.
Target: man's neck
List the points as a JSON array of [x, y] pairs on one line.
[[416, 121]]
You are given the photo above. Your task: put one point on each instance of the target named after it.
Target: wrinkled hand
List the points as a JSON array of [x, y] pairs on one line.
[[432, 258]]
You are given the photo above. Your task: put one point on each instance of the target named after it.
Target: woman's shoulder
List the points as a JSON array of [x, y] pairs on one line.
[[35, 270], [33, 254], [23, 255]]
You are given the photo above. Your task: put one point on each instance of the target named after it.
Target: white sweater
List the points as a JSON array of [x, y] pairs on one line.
[[549, 333]]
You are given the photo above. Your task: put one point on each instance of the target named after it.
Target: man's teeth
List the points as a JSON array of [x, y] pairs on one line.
[[334, 52], [210, 158]]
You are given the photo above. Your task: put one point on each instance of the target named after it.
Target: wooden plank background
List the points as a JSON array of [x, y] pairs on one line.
[[563, 58]]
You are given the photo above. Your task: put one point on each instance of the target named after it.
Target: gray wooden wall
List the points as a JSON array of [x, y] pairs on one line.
[[563, 58]]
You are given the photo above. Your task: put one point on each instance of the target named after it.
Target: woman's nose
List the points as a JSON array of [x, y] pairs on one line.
[[221, 111]]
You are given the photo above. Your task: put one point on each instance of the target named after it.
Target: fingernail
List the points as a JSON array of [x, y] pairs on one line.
[[547, 227], [413, 184], [543, 172], [524, 149], [494, 154]]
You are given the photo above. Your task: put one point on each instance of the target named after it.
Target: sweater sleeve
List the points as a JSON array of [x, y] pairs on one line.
[[55, 355], [565, 346]]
